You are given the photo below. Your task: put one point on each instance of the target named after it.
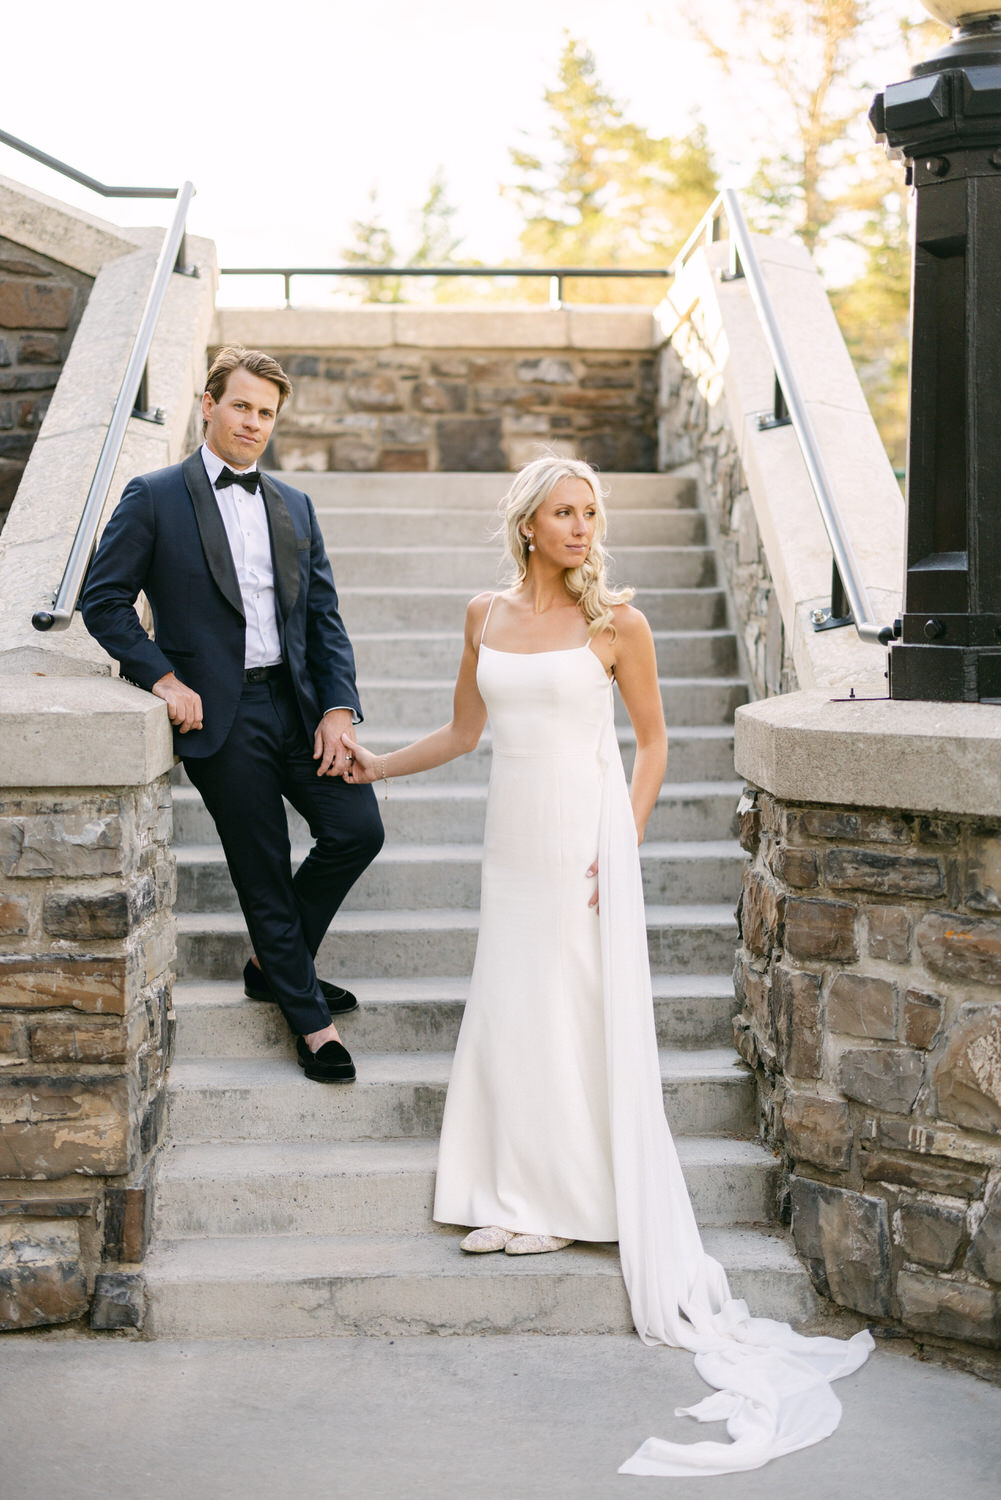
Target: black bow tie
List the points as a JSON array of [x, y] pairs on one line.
[[250, 480]]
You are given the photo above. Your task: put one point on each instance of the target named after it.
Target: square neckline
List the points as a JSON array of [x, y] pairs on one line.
[[555, 651], [559, 651]]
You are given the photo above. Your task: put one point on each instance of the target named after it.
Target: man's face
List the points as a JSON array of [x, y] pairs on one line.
[[238, 425]]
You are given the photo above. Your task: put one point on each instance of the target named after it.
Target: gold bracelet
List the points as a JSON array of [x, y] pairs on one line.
[[385, 778]]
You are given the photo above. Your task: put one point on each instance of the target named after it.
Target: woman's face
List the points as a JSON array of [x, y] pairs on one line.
[[563, 526]]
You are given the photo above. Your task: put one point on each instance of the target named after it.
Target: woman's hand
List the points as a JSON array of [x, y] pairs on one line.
[[362, 767], [592, 875]]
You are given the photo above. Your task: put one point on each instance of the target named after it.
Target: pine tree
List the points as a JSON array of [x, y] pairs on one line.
[[436, 244], [372, 245], [820, 175], [602, 191], [437, 241]]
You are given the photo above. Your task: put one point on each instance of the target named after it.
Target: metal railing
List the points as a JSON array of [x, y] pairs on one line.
[[849, 596], [555, 275], [82, 177], [132, 399], [850, 603]]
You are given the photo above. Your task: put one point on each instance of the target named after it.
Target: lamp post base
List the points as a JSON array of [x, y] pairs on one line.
[[945, 674]]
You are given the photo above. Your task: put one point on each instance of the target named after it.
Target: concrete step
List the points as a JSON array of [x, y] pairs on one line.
[[453, 812], [402, 1094], [478, 568], [413, 526], [293, 1287], [464, 491], [414, 1015], [698, 752], [680, 653], [412, 876], [374, 607], [387, 1187], [389, 702], [696, 939]]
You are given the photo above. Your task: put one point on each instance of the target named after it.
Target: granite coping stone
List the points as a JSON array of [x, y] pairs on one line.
[[925, 757], [81, 732]]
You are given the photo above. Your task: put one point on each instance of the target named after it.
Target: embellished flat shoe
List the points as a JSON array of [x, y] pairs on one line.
[[481, 1241], [534, 1244]]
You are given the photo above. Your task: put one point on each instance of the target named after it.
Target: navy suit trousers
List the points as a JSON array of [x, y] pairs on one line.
[[264, 758]]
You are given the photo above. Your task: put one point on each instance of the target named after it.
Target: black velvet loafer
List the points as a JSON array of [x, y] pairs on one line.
[[330, 1064], [255, 987]]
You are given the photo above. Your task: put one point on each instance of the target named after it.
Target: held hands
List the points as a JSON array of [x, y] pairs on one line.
[[328, 746], [184, 707], [362, 766]]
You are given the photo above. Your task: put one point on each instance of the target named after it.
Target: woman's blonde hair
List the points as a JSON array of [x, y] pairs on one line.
[[533, 484]]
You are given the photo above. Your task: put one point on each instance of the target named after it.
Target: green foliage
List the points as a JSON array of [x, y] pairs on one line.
[[436, 244], [437, 241], [874, 309], [372, 245], [820, 176], [602, 191], [806, 56]]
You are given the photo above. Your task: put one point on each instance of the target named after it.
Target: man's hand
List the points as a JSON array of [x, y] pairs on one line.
[[328, 748], [184, 707]]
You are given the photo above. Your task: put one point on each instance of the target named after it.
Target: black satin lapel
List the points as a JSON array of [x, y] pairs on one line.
[[215, 543], [284, 549]]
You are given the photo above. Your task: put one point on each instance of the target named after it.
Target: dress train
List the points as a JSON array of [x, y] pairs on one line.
[[772, 1385]]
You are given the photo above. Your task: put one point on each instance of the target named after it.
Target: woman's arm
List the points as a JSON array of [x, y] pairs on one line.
[[635, 659], [469, 715]]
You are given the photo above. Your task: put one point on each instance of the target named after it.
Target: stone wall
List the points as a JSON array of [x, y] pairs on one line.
[[716, 385], [411, 410], [86, 1027], [41, 303], [86, 886], [694, 427], [868, 984], [415, 389]]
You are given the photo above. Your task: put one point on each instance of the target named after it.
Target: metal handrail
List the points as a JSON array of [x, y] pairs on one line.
[[792, 409], [58, 615], [82, 177], [556, 275]]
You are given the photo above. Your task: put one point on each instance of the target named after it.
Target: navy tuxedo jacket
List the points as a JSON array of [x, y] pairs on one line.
[[166, 539]]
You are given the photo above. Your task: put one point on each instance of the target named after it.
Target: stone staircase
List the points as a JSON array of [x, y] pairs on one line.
[[290, 1209]]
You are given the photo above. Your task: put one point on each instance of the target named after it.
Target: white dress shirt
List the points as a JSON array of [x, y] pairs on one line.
[[246, 523]]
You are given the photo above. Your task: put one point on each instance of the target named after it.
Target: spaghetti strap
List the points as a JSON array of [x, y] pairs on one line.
[[486, 617]]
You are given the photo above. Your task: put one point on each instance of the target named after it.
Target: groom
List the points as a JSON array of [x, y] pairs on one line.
[[255, 666]]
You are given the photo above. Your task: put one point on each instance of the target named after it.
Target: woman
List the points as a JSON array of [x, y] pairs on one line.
[[554, 1125]]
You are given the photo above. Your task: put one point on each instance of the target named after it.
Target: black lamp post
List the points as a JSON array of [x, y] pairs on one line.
[[945, 120]]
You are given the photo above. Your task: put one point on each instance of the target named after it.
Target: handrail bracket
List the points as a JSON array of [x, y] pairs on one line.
[[779, 416]]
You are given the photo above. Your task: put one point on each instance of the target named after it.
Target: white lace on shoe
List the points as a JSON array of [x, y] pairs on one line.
[[534, 1244], [481, 1241]]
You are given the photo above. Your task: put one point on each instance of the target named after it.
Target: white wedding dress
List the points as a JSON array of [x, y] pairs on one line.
[[554, 1121]]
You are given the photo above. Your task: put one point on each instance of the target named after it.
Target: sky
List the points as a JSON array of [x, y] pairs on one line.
[[287, 115]]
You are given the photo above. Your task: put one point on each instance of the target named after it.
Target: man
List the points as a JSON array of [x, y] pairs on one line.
[[254, 664]]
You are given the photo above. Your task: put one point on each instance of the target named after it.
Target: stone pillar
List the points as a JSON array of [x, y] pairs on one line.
[[868, 979], [86, 1026]]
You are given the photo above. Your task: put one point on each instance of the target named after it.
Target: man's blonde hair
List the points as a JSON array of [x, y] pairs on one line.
[[255, 361]]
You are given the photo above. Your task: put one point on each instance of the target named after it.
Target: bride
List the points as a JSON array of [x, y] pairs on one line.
[[554, 1126]]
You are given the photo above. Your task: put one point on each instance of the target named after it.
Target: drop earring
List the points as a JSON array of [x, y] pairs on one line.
[[531, 544]]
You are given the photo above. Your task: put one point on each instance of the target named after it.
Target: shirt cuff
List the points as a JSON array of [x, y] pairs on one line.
[[355, 715]]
